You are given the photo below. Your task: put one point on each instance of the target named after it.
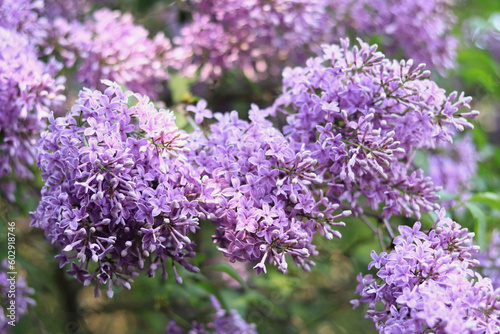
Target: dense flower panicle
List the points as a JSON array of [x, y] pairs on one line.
[[27, 92], [223, 322], [119, 195], [453, 165], [108, 45], [268, 201], [67, 9], [363, 117], [24, 17], [489, 260], [419, 28], [13, 286], [427, 284], [253, 35]]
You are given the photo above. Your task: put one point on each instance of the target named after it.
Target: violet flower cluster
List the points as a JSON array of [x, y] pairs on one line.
[[24, 17], [421, 29], [120, 196], [489, 259], [363, 117], [28, 90], [108, 45], [251, 35], [427, 284], [268, 200], [453, 165], [223, 322], [13, 288]]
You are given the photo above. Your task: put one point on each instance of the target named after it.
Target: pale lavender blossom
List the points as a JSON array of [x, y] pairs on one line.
[[268, 200], [421, 29], [453, 165], [254, 36], [109, 45], [363, 117], [120, 196], [11, 313], [200, 111], [28, 90], [489, 259], [427, 284]]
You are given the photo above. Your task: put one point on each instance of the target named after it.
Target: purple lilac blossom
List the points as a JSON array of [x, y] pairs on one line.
[[120, 196], [22, 299], [252, 35], [24, 17], [453, 165], [363, 117], [268, 200], [489, 260], [28, 90], [427, 284], [421, 29], [67, 9], [223, 322], [108, 45]]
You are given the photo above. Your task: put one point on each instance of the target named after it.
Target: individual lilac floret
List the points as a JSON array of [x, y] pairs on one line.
[[489, 259], [427, 284], [27, 92], [223, 322], [421, 29], [268, 201], [108, 45], [10, 315], [453, 165], [119, 194], [252, 35], [363, 117]]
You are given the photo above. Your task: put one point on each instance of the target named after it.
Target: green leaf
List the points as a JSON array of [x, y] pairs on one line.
[[180, 88], [488, 198], [226, 268], [480, 225]]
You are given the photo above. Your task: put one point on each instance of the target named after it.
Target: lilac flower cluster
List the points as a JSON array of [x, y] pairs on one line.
[[28, 90], [223, 322], [251, 35], [489, 260], [419, 28], [363, 117], [453, 165], [108, 45], [268, 200], [22, 299], [427, 284], [24, 17], [120, 196]]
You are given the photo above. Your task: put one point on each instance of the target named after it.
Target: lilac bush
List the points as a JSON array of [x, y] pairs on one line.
[[268, 200], [24, 17], [363, 117], [489, 259], [428, 284], [252, 35], [453, 165], [28, 90], [13, 286], [108, 45], [120, 196], [421, 29]]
